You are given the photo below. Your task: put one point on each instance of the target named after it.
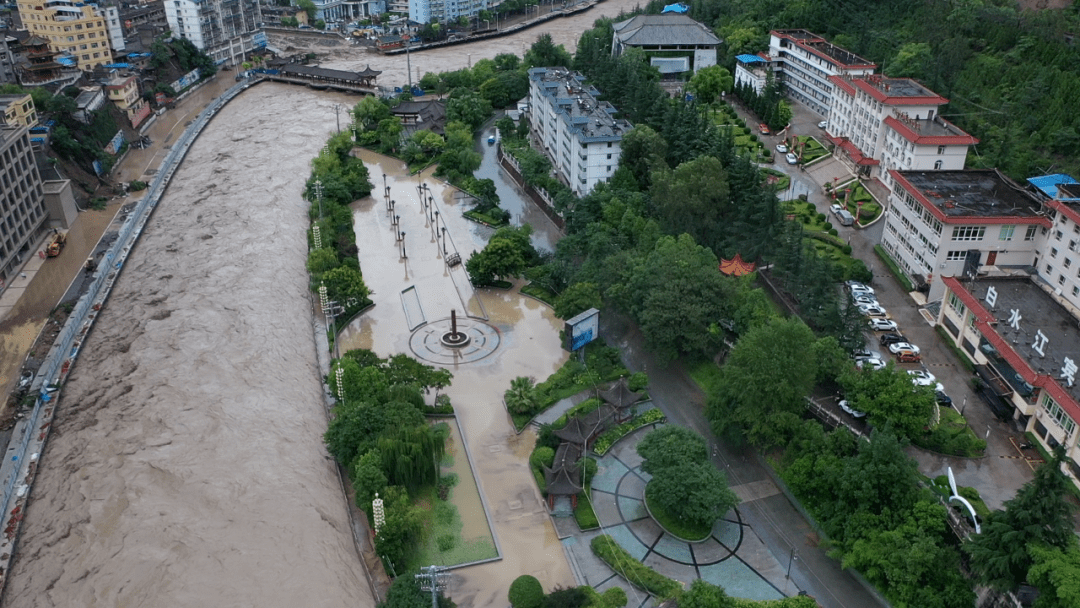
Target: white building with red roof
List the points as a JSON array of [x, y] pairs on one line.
[[1026, 347], [956, 223], [883, 124], [805, 63]]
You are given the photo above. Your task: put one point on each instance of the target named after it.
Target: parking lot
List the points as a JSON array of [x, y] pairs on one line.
[[1005, 467]]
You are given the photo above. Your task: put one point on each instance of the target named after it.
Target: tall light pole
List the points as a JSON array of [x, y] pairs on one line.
[[337, 115]]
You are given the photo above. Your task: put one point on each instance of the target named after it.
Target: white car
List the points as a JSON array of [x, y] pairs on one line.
[[823, 124], [781, 148], [844, 405], [791, 158], [921, 377], [872, 362], [899, 346], [873, 310], [855, 286], [836, 208], [864, 298], [883, 325]]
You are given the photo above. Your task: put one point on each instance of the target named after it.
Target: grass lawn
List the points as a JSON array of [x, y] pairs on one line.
[[705, 374], [778, 180], [952, 436], [534, 290], [487, 220], [813, 150], [681, 529], [584, 514], [870, 209]]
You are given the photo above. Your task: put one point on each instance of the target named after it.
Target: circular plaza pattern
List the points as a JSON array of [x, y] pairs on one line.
[[427, 341]]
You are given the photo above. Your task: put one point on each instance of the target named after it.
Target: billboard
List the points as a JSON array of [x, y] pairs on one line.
[[582, 329]]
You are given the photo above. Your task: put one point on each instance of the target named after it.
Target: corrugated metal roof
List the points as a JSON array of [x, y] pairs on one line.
[[1048, 184], [748, 58]]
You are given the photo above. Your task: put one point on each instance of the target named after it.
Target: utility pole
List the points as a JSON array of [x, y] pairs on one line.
[[433, 579], [337, 115]]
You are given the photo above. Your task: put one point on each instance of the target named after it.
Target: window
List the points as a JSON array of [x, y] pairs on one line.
[[1061, 279], [1006, 233], [1048, 269], [1057, 414], [937, 165], [955, 256], [968, 233], [956, 304], [1030, 234], [1053, 252], [1058, 234], [1076, 290], [941, 149], [1068, 262]]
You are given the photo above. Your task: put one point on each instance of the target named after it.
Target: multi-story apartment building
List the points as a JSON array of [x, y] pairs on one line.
[[123, 91], [18, 110], [22, 201], [579, 134], [804, 63], [7, 61], [882, 124], [73, 28], [444, 11], [753, 70], [114, 28], [952, 223], [223, 29]]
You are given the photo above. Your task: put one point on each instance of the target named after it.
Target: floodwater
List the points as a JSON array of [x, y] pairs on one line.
[[521, 210], [338, 54], [186, 466], [529, 345]]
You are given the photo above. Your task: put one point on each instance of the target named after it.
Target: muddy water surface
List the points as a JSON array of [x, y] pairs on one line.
[[186, 466]]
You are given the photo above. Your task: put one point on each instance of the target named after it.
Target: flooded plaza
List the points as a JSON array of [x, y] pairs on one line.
[[527, 345]]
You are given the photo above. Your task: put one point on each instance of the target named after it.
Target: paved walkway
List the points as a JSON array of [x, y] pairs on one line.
[[733, 557]]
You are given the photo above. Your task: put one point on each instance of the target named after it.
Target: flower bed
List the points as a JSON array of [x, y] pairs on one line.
[[636, 573], [611, 436]]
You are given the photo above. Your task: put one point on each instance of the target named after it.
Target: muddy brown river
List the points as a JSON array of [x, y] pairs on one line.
[[186, 465]]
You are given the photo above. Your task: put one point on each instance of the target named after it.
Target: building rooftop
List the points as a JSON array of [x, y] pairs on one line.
[[928, 131], [897, 91], [1041, 330], [578, 106], [666, 29], [1058, 186], [819, 45], [970, 194]]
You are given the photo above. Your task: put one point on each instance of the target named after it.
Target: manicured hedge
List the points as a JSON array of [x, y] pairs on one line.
[[612, 436], [632, 570]]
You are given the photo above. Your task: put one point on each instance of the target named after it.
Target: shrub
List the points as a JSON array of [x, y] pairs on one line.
[[614, 597], [542, 457], [588, 469], [821, 217], [136, 186], [638, 381], [445, 542], [635, 572], [526, 592], [846, 249]]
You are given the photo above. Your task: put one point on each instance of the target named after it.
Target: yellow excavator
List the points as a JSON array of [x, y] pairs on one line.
[[57, 244]]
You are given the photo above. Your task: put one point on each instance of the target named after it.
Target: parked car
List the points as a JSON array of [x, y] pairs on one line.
[[891, 338], [823, 124], [882, 325], [899, 346], [873, 363], [845, 217], [908, 356], [864, 298], [836, 207], [873, 310], [943, 399], [844, 405], [864, 353], [764, 129], [854, 286], [791, 158], [781, 148], [922, 377]]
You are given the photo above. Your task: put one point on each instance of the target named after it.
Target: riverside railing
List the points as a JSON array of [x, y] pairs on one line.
[[29, 435]]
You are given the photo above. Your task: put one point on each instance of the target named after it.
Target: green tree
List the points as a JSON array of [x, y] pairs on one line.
[[643, 153], [369, 112], [398, 537], [708, 83], [526, 592], [467, 107], [576, 299], [405, 592], [692, 198], [321, 260], [308, 7], [1056, 573], [912, 60], [1038, 514], [705, 595], [764, 384], [345, 283], [670, 446], [520, 398], [545, 54], [692, 492], [368, 478], [888, 398]]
